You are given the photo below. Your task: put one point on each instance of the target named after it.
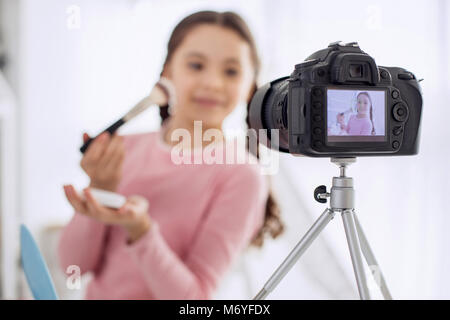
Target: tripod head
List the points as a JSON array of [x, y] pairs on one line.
[[342, 192], [343, 163]]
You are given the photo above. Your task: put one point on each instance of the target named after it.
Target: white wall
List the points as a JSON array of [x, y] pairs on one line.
[[9, 155], [8, 193], [76, 77]]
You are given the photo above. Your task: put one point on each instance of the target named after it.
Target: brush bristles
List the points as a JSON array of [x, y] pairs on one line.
[[169, 90]]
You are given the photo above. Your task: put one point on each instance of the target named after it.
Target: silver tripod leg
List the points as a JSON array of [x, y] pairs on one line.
[[371, 261], [351, 232], [295, 254]]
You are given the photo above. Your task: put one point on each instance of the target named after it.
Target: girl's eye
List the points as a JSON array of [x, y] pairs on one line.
[[195, 65], [231, 72]]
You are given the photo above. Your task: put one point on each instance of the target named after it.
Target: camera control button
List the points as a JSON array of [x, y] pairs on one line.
[[317, 105], [405, 76], [317, 118], [397, 130], [317, 144], [400, 112], [317, 130], [317, 92], [395, 94], [395, 144]]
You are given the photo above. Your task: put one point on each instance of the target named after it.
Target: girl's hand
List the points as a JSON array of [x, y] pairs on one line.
[[103, 161], [341, 122], [133, 215]]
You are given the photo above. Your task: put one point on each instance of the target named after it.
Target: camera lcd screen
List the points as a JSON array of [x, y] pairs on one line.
[[356, 115]]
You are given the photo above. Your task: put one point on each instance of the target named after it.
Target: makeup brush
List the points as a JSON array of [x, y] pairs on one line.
[[162, 94]]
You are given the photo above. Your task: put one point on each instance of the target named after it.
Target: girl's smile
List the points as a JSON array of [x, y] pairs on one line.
[[207, 102]]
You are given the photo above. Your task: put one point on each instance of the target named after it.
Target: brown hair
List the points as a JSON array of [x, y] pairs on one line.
[[272, 222]]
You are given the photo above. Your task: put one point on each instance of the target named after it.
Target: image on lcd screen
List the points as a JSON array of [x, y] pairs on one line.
[[356, 115]]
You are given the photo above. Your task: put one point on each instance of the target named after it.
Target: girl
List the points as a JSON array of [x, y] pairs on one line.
[[182, 225], [361, 124]]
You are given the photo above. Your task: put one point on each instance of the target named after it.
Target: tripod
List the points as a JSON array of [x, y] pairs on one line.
[[341, 200]]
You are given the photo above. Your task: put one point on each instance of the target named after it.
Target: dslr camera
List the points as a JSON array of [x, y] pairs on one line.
[[339, 103]]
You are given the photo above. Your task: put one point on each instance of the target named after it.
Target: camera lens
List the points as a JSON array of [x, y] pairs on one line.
[[269, 110], [355, 71]]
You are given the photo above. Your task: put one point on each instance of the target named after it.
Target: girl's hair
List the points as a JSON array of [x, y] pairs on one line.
[[230, 20], [364, 93]]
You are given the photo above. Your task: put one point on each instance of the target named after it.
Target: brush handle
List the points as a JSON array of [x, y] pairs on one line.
[[111, 129]]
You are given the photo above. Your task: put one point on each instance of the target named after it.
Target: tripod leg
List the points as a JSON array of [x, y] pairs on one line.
[[295, 254], [355, 253], [371, 261]]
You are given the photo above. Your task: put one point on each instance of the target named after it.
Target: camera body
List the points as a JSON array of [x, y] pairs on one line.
[[338, 103]]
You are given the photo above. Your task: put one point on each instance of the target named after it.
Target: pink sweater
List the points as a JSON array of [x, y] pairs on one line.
[[203, 217], [359, 126]]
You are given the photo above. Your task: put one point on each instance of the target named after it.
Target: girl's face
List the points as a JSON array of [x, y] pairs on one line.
[[212, 72], [363, 104]]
